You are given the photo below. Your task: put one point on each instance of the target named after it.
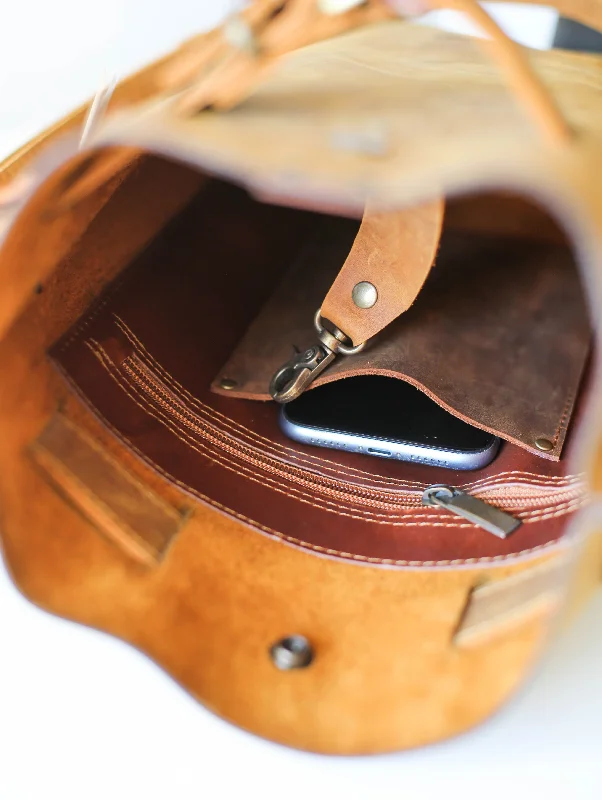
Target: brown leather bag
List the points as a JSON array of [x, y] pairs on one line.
[[160, 264]]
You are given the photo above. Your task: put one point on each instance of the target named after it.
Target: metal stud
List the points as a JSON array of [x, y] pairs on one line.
[[292, 652], [364, 294], [544, 444], [228, 383]]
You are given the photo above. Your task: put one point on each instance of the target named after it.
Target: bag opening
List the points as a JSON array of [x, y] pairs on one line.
[[144, 355]]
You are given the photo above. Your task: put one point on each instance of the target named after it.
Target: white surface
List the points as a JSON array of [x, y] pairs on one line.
[[533, 26], [83, 716]]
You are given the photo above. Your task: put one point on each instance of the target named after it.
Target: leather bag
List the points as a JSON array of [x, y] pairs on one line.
[[163, 255]]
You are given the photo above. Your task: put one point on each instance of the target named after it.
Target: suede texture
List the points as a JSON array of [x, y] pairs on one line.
[[386, 673]]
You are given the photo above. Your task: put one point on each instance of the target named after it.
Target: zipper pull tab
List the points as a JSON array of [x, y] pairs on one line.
[[486, 516]]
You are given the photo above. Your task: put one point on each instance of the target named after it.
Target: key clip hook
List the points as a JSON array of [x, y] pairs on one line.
[[291, 380]]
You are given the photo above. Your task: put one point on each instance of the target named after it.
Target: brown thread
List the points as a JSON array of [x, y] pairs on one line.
[[563, 419], [216, 456], [293, 494], [556, 505], [83, 324], [174, 384], [372, 517], [318, 548]]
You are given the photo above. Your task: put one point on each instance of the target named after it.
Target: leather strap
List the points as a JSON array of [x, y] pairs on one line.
[[249, 45], [221, 68], [388, 262], [393, 252], [494, 607]]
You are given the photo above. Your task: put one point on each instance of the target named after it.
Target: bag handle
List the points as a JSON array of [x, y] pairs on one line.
[[220, 69], [387, 265]]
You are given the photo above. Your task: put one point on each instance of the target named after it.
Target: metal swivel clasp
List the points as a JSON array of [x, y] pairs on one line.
[[294, 377]]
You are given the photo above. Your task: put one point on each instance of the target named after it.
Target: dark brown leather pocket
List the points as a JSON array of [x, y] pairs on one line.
[[499, 334]]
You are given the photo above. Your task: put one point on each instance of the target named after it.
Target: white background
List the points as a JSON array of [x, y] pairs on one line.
[[83, 716]]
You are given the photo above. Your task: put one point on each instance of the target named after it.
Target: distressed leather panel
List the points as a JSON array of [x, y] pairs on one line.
[[499, 335], [494, 607], [393, 251], [435, 104], [144, 356], [126, 511]]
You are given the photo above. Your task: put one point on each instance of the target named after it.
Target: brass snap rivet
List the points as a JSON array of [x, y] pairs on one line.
[[228, 383], [364, 294], [291, 652], [544, 444]]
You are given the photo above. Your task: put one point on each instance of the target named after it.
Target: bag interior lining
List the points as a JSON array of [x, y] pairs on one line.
[[143, 357]]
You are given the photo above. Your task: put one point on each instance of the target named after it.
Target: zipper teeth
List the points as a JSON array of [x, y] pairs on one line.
[[520, 503], [525, 480], [328, 486], [520, 496]]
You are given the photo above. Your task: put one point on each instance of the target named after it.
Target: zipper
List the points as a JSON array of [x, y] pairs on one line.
[[487, 503], [477, 511]]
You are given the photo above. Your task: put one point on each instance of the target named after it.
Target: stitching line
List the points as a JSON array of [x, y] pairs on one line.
[[236, 427], [85, 322], [157, 395], [563, 423], [318, 548], [532, 517], [218, 457], [358, 500]]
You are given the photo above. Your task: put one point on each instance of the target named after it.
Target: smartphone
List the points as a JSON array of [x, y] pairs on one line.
[[386, 418]]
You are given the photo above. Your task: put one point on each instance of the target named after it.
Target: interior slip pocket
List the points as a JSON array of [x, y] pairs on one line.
[[498, 336], [144, 355]]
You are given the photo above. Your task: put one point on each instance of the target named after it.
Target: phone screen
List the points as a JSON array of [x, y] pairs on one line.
[[385, 408]]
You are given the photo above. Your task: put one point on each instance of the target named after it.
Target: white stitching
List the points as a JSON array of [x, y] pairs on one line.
[[236, 427], [257, 477], [532, 513], [308, 545]]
